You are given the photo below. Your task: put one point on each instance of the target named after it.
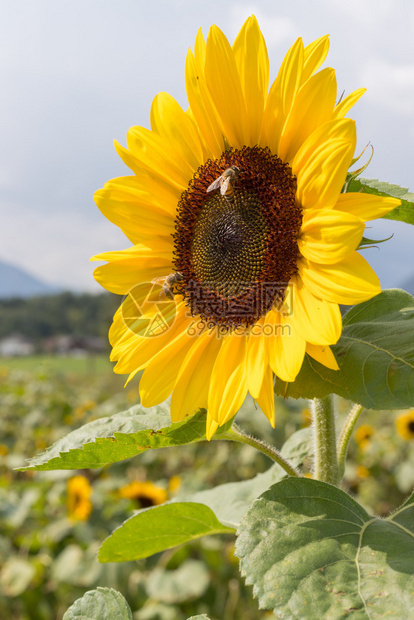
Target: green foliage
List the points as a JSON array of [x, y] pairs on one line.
[[51, 315], [311, 551], [403, 213], [47, 560], [375, 356], [157, 529], [120, 437], [100, 604], [223, 506]]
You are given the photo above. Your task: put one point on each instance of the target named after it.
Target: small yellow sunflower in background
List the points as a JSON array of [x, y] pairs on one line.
[[145, 493], [79, 504], [363, 435], [405, 425], [236, 214], [362, 471]]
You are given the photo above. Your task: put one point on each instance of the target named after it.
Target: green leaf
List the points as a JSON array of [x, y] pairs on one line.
[[219, 510], [231, 501], [120, 437], [311, 551], [375, 355], [160, 528], [403, 213], [99, 604]]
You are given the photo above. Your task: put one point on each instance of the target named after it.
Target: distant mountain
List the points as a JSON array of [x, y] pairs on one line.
[[16, 282]]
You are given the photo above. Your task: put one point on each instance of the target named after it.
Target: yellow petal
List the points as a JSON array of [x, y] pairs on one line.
[[160, 247], [281, 96], [327, 235], [159, 175], [160, 375], [321, 180], [314, 55], [134, 352], [317, 320], [266, 397], [120, 276], [228, 385], [346, 104], [157, 154], [133, 213], [211, 426], [349, 282], [170, 121], [257, 358], [286, 352], [366, 206], [192, 385], [322, 140], [312, 107], [252, 62], [201, 104], [323, 355], [224, 86]]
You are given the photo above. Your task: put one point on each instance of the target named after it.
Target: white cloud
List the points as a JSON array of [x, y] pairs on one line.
[[390, 84]]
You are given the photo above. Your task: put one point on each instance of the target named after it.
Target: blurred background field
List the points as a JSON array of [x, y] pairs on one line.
[[51, 523]]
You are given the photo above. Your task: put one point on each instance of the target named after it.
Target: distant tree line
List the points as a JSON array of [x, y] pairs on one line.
[[51, 315]]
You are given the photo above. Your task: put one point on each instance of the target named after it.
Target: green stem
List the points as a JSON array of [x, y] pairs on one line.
[[345, 436], [326, 460], [236, 434]]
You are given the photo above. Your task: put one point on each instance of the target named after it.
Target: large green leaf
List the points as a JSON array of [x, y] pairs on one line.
[[159, 528], [312, 552], [403, 213], [375, 355], [99, 604], [121, 437]]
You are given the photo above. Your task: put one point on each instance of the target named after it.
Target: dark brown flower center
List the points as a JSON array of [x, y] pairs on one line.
[[236, 239]]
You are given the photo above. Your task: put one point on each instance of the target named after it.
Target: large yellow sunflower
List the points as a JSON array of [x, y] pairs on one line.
[[250, 266]]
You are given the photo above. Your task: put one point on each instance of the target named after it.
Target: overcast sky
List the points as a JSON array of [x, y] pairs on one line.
[[76, 74]]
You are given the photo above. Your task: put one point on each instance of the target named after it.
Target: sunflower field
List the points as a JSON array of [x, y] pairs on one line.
[[53, 523]]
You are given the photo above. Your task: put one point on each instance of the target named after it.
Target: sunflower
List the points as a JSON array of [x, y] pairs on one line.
[[236, 214], [405, 425], [144, 493], [363, 435], [79, 504]]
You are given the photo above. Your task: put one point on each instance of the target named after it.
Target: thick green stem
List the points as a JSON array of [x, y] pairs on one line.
[[236, 434], [345, 436], [326, 460]]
